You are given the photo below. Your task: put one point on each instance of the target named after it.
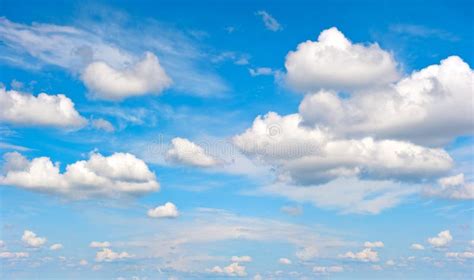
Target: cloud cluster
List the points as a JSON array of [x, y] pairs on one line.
[[145, 77], [327, 269], [13, 255], [452, 187], [41, 110], [233, 269], [114, 175], [107, 255], [183, 151], [334, 62], [168, 210], [366, 255]]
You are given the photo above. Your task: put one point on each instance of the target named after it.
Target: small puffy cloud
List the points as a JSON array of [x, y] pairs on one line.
[[257, 277], [102, 124], [241, 259], [270, 22], [460, 255], [375, 244], [114, 175], [13, 255], [145, 77], [30, 239], [107, 255], [428, 107], [334, 62], [83, 262], [366, 255], [183, 151], [284, 261], [234, 269], [56, 246], [452, 187], [443, 239], [42, 110], [168, 210], [327, 269], [98, 244], [416, 246], [2, 244]]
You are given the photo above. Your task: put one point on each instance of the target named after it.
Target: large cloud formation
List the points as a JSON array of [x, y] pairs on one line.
[[363, 137], [334, 62], [43, 110], [114, 175], [145, 77]]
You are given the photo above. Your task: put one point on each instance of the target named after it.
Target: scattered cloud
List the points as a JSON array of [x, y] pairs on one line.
[[261, 71], [145, 77], [13, 255], [334, 62], [55, 247], [292, 210], [417, 246], [443, 239], [421, 31], [107, 255], [30, 239], [452, 187], [168, 210], [241, 259], [98, 244], [102, 124], [42, 110], [366, 255], [233, 269], [327, 269], [112, 176], [270, 22], [284, 261], [183, 151], [375, 244]]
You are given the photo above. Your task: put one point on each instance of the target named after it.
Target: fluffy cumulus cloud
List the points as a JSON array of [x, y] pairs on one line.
[[327, 269], [366, 255], [42, 110], [107, 255], [441, 240], [375, 244], [309, 156], [32, 240], [168, 210], [241, 259], [233, 269], [431, 107], [98, 244], [114, 175], [145, 77], [183, 151], [334, 62], [452, 187]]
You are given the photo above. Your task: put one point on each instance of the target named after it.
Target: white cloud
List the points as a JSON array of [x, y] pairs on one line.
[[102, 124], [443, 239], [366, 255], [42, 110], [261, 71], [145, 77], [312, 156], [460, 255], [241, 259], [292, 210], [270, 22], [333, 62], [56, 247], [107, 255], [83, 262], [257, 277], [234, 269], [30, 239], [2, 244], [452, 187], [183, 151], [114, 175], [327, 269], [284, 261], [390, 263], [168, 210], [13, 255], [98, 244], [428, 107], [417, 246], [375, 244]]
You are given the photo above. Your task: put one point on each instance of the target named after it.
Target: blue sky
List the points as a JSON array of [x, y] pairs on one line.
[[247, 140]]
